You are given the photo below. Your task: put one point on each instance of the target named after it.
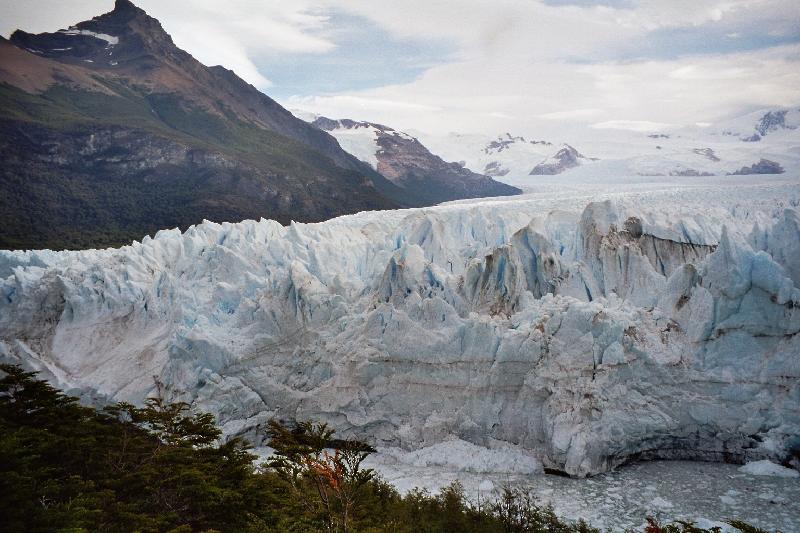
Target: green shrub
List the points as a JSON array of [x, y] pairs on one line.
[[66, 467]]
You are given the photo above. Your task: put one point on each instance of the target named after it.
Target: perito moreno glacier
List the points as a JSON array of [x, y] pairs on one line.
[[587, 328]]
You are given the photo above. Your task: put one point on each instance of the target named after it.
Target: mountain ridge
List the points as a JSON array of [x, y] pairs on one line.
[[406, 162], [79, 104]]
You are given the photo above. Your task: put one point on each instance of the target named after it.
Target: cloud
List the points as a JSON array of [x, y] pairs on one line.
[[236, 33], [548, 97], [632, 125], [572, 114], [356, 102], [475, 66]]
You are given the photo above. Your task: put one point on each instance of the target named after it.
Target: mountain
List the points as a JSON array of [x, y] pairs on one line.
[[773, 121], [566, 158], [506, 157], [109, 132], [511, 158], [407, 163], [731, 146]]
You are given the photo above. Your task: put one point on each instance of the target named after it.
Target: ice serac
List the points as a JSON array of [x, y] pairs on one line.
[[585, 332]]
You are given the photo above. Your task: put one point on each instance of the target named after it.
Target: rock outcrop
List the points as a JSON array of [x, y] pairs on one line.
[[763, 166], [565, 159]]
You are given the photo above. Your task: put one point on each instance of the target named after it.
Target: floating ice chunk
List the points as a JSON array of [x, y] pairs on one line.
[[768, 468], [463, 456], [660, 503]]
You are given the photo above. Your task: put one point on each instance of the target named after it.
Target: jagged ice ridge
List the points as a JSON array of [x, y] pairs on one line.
[[585, 329]]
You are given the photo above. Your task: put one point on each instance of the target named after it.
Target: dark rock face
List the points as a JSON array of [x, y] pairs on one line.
[[407, 163], [103, 119], [495, 168], [566, 158], [772, 121], [764, 166], [689, 172], [708, 153], [503, 142], [105, 186]]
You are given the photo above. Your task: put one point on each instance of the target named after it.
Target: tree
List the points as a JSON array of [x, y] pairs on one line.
[[308, 457]]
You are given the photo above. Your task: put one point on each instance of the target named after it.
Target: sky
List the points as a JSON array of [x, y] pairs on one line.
[[481, 66]]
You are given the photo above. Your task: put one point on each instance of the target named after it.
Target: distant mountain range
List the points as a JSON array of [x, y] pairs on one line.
[[762, 142], [109, 132], [407, 163]]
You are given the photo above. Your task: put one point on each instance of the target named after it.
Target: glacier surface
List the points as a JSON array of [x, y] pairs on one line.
[[699, 150], [584, 325]]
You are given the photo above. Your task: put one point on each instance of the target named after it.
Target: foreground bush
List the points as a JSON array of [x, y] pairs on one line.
[[66, 467]]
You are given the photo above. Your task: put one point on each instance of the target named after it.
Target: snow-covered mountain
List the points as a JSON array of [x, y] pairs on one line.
[[588, 324], [563, 160], [505, 157], [404, 161], [765, 141]]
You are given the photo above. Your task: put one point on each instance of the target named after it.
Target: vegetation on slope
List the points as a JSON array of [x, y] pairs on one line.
[[66, 467], [88, 169]]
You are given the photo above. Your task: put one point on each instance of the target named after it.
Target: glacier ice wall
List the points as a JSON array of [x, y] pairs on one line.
[[588, 329]]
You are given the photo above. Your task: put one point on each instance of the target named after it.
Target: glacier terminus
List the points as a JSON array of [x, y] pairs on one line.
[[587, 326]]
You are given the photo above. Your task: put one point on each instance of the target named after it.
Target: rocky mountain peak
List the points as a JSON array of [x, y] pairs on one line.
[[565, 158], [406, 162], [126, 6], [772, 121], [568, 153], [125, 34], [506, 140]]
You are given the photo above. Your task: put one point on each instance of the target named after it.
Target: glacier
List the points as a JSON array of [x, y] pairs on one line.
[[586, 324], [702, 149]]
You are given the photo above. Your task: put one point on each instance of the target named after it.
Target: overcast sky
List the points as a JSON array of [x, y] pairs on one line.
[[487, 66]]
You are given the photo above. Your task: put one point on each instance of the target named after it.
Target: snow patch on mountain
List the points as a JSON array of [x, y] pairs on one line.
[[110, 39], [358, 138], [362, 142], [406, 162]]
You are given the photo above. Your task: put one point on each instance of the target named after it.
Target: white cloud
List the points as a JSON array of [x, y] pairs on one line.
[[575, 114], [235, 32], [479, 95], [518, 64], [632, 125], [351, 102]]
